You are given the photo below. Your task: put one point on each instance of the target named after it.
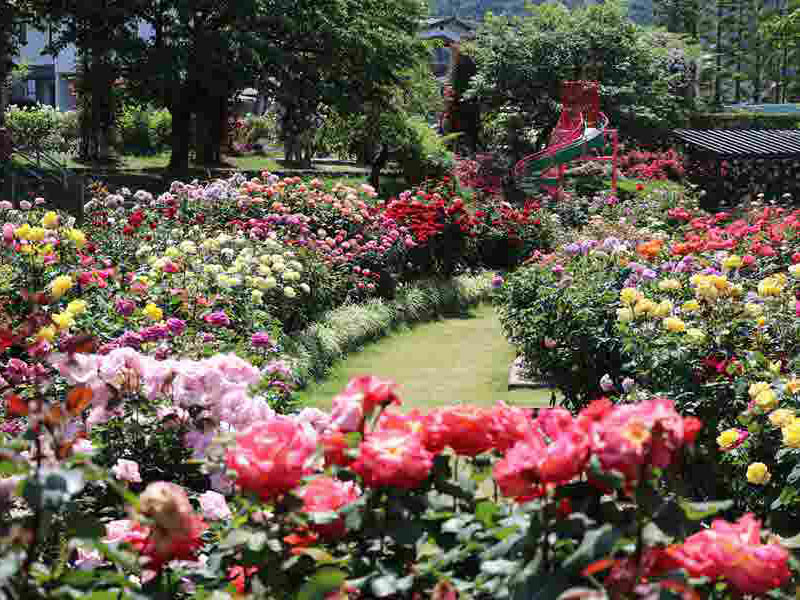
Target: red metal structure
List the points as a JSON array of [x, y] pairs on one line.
[[581, 128]]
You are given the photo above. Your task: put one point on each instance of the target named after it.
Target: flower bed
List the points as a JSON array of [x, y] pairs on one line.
[[700, 308], [151, 448]]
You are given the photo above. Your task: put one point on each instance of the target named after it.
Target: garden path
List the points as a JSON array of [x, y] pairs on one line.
[[453, 360]]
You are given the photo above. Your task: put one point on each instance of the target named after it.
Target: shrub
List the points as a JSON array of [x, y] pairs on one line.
[[423, 154], [160, 126], [562, 321], [34, 128], [133, 127], [69, 131]]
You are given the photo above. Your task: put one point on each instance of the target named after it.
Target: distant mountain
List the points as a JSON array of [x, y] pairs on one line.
[[641, 11]]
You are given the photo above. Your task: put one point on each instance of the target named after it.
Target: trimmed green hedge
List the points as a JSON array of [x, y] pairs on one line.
[[744, 120], [348, 327]]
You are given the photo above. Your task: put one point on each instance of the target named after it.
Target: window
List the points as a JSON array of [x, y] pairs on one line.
[[441, 55], [22, 32]]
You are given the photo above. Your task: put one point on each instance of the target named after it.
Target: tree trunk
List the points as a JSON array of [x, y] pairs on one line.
[[378, 163], [181, 118], [6, 56]]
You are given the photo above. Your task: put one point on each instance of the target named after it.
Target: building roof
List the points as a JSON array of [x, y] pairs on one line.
[[743, 143], [466, 24]]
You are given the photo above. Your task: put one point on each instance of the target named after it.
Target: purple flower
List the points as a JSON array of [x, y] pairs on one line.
[[261, 339], [217, 319], [130, 339], [176, 326], [573, 249], [497, 281], [648, 274], [124, 306]]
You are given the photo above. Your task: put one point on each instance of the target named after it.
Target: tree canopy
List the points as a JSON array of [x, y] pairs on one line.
[[520, 63]]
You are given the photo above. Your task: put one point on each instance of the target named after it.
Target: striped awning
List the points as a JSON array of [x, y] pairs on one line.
[[743, 143]]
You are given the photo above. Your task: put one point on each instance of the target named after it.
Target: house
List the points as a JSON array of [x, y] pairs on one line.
[[450, 31], [50, 77]]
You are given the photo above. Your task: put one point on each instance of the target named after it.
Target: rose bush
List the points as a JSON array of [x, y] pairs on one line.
[[479, 502]]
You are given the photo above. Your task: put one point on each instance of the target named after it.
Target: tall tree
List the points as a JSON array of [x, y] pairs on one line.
[[341, 54], [520, 64]]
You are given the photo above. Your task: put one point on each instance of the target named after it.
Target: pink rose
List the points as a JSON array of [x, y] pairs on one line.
[[127, 470], [218, 319], [8, 234], [25, 205], [347, 412], [214, 506]]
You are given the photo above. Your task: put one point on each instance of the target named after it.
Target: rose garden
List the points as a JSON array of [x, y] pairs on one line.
[[157, 434]]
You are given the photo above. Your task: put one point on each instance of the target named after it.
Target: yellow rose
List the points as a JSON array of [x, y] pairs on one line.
[[791, 434], [50, 219], [77, 237], [758, 474], [22, 231], [36, 234], [690, 306], [47, 333], [629, 295], [663, 309], [695, 335], [644, 306], [624, 315], [151, 311], [76, 307], [707, 291], [669, 284], [61, 285], [766, 400], [781, 417], [674, 325], [727, 438], [719, 281], [63, 320], [756, 388], [769, 286], [732, 262]]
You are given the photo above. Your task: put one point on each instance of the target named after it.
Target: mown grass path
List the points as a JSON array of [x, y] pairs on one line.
[[454, 360]]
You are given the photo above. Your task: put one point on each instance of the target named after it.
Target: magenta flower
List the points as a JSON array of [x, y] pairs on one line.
[[124, 306], [176, 326], [261, 339], [217, 319]]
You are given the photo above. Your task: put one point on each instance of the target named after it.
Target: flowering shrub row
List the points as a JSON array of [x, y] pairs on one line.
[[700, 308], [364, 501]]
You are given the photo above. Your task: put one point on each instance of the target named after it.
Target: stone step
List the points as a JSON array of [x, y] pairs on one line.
[[518, 379]]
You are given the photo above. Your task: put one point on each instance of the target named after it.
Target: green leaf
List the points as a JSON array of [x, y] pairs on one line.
[[596, 544], [325, 581], [485, 512], [86, 527], [695, 511]]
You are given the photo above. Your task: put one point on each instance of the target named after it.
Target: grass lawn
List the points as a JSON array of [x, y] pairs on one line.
[[160, 161], [455, 360]]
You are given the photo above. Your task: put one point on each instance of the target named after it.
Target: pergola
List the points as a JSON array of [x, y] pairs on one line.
[[716, 146]]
